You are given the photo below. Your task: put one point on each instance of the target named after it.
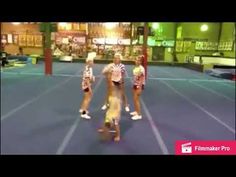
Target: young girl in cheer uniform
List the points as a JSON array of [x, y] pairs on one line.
[[138, 87], [88, 78]]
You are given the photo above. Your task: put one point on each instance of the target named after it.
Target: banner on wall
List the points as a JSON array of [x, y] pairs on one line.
[[67, 37], [169, 43], [98, 40], [124, 41], [111, 41], [79, 39]]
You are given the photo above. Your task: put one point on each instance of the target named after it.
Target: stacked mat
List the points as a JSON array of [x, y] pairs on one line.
[[222, 73]]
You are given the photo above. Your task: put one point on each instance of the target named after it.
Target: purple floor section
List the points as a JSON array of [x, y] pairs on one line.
[[44, 125], [39, 127], [20, 89], [218, 105], [137, 138], [178, 120]]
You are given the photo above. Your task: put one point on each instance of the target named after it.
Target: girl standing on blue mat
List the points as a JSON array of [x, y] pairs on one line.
[[138, 87], [87, 79], [118, 71]]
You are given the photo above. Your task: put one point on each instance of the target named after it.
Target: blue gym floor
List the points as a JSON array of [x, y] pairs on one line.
[[39, 114]]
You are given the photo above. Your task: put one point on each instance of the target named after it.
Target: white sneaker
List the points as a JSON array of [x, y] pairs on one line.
[[85, 116], [127, 108], [136, 117], [81, 110], [133, 113], [104, 107]]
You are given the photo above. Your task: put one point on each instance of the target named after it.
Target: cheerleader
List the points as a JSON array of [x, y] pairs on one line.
[[117, 74], [88, 78], [138, 87]]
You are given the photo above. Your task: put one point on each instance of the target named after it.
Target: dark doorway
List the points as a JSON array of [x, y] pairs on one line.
[[158, 53]]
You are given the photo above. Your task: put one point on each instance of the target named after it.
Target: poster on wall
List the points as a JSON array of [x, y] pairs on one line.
[[15, 38], [179, 32], [211, 46], [38, 40], [199, 45], [215, 45], [187, 46], [179, 46], [225, 45], [204, 46], [22, 40], [4, 38], [64, 26], [30, 40], [9, 39], [220, 46], [229, 45]]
